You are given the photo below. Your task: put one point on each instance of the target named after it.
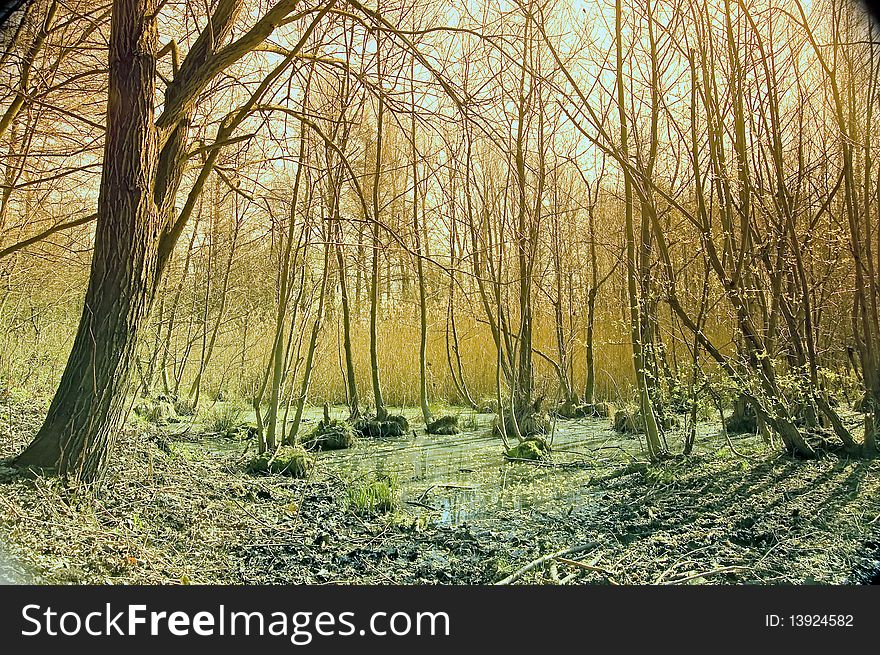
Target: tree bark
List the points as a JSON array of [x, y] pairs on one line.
[[90, 404]]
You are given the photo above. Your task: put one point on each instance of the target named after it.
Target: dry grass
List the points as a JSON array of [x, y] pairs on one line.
[[40, 362]]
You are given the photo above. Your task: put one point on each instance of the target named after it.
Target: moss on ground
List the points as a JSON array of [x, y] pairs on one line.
[[535, 449]]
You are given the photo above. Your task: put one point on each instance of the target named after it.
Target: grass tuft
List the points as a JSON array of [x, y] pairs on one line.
[[375, 495]]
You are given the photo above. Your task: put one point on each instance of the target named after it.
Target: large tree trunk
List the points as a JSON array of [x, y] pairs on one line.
[[89, 406]]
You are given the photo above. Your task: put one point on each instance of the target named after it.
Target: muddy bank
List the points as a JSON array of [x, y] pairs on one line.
[[177, 507]]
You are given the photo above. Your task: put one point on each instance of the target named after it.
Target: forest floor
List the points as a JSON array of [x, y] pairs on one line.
[[178, 508]]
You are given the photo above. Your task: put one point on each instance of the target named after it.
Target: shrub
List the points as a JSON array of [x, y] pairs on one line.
[[184, 407]]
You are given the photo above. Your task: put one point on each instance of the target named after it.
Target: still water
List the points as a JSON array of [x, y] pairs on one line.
[[465, 477]]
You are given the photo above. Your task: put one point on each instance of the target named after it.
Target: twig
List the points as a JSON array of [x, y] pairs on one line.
[[259, 520], [680, 560], [516, 575], [587, 567], [420, 504], [724, 569]]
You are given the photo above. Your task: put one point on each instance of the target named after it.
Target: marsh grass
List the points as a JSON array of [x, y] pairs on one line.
[[468, 421], [376, 494], [224, 418]]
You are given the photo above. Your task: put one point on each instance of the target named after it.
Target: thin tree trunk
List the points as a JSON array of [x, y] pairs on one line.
[[353, 400], [381, 413], [420, 273], [313, 345], [646, 408]]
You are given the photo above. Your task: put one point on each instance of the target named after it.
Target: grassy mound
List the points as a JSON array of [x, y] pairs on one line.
[[531, 422], [443, 425], [488, 406], [582, 410], [330, 435], [629, 420], [535, 449], [743, 420], [392, 426], [159, 410], [293, 461]]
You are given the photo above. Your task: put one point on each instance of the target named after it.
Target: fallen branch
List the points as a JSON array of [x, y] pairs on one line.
[[516, 575], [553, 465], [587, 567], [533, 462], [417, 503], [705, 574]]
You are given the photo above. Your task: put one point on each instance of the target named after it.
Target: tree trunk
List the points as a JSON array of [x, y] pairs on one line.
[[381, 412], [277, 359], [354, 410], [313, 346], [420, 273], [646, 407], [90, 404]]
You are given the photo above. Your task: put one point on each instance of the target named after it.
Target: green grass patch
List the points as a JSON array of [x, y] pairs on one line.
[[378, 494], [293, 461]]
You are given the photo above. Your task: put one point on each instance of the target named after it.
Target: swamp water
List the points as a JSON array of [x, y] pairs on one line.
[[465, 477]]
